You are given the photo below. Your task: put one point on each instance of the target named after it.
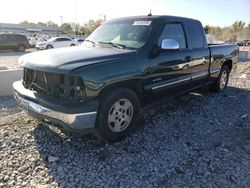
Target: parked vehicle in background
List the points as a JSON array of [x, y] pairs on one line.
[[15, 42], [243, 43], [56, 42], [247, 42], [100, 86], [240, 43], [79, 41], [34, 40]]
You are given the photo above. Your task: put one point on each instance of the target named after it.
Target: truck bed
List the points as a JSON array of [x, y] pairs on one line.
[[223, 52]]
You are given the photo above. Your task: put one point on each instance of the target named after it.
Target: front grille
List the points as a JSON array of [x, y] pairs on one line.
[[58, 86]]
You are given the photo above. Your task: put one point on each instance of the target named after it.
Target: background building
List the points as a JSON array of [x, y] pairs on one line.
[[28, 29]]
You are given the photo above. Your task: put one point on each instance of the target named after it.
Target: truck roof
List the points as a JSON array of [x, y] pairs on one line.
[[153, 17]]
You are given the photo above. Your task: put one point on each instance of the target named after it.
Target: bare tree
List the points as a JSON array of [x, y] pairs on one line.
[[66, 27], [238, 26], [89, 27]]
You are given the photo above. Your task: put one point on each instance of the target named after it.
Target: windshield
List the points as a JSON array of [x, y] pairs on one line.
[[51, 40], [122, 33]]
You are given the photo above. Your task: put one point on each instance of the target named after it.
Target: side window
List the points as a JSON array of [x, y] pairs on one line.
[[1, 38], [195, 33], [12, 37], [4, 38], [174, 31], [16, 38], [60, 40], [65, 39]]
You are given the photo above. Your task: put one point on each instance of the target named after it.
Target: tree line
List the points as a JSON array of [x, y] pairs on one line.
[[70, 28], [239, 30]]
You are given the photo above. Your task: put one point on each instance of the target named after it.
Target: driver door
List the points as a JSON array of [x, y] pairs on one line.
[[171, 70]]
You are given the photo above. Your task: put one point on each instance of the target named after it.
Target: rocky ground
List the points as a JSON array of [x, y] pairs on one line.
[[201, 139]]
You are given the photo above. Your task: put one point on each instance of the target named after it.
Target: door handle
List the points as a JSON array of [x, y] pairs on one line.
[[188, 58]]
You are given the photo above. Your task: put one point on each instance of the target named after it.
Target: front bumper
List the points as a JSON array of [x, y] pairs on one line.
[[83, 122], [40, 47]]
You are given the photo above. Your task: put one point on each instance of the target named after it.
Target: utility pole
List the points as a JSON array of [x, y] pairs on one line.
[[61, 23], [76, 28], [61, 20]]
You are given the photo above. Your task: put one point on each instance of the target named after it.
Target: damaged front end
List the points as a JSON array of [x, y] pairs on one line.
[[58, 86]]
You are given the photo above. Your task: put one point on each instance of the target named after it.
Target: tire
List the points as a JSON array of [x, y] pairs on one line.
[[21, 48], [117, 115], [221, 82], [185, 67], [49, 46], [72, 45]]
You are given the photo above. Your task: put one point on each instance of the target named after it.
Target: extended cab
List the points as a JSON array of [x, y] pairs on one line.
[[100, 85]]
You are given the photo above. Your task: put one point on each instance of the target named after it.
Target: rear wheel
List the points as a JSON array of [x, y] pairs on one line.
[[21, 48], [72, 45], [221, 82], [117, 115]]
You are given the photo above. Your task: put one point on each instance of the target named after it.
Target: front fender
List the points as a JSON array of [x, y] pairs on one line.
[[97, 77]]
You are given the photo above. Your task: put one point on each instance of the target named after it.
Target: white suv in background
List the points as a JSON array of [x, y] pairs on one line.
[[56, 42]]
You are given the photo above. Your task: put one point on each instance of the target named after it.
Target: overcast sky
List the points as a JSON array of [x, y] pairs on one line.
[[211, 12]]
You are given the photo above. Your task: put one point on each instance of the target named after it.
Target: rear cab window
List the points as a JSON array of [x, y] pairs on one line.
[[196, 34]]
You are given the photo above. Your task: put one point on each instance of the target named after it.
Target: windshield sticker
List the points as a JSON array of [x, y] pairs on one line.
[[142, 23]]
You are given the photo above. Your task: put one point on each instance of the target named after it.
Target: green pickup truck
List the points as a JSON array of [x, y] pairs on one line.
[[100, 86]]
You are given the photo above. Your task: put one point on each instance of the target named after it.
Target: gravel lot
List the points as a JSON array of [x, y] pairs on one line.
[[201, 139]]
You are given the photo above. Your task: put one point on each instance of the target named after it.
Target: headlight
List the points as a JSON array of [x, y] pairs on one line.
[[40, 44]]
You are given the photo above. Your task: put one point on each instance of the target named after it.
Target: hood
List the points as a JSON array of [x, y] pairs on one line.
[[65, 60]]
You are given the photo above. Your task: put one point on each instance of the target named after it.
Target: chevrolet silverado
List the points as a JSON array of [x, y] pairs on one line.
[[100, 86]]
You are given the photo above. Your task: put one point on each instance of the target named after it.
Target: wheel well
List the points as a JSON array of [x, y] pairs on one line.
[[21, 44], [229, 64], [134, 85]]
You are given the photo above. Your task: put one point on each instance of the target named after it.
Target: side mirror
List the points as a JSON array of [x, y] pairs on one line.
[[170, 44]]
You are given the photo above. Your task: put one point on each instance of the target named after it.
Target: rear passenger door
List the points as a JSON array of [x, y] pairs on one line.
[[65, 42], [200, 53], [13, 41], [59, 42], [170, 70]]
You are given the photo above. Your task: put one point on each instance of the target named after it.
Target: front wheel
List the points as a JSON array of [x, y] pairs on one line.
[[117, 115], [21, 48], [221, 82], [49, 46]]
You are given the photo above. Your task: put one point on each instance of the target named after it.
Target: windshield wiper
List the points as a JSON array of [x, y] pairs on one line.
[[120, 46], [91, 41]]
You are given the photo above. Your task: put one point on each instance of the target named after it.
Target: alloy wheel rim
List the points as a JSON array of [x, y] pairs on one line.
[[120, 115], [223, 80]]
